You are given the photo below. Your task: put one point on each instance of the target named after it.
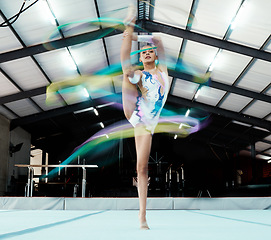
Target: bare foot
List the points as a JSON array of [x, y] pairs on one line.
[[142, 222], [131, 16]]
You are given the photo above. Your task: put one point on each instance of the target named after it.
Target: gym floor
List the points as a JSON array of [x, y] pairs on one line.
[[123, 224]]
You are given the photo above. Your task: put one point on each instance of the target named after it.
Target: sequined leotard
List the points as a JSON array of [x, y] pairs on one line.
[[149, 106]]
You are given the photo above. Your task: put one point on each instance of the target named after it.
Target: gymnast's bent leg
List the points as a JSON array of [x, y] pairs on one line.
[[129, 90]]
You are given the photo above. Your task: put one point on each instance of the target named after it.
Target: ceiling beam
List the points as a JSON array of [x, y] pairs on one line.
[[24, 45], [62, 110], [60, 43], [22, 95], [224, 87], [149, 26], [208, 40], [104, 45], [226, 113], [180, 75], [171, 100]]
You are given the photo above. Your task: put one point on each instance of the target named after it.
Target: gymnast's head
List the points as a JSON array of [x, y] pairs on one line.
[[148, 54]]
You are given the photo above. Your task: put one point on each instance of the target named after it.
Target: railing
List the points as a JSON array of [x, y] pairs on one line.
[[29, 185]]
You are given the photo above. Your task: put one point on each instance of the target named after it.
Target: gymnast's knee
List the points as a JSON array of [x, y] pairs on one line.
[[142, 169]]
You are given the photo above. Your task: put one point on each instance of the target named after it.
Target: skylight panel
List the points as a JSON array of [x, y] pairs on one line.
[[8, 41], [173, 13], [235, 102], [33, 25], [184, 89], [199, 56], [7, 113], [214, 17], [67, 11], [74, 13], [172, 46], [253, 25], [25, 73], [22, 107], [260, 146], [57, 64], [113, 46], [257, 77], [89, 57], [210, 96], [258, 109], [114, 9], [7, 87], [41, 101], [228, 66], [268, 92], [268, 138]]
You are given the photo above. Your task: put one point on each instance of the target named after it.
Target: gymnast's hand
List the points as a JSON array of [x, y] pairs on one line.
[[126, 33], [156, 40]]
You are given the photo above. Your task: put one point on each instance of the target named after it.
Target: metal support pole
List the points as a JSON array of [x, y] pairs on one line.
[[121, 153], [28, 182], [25, 190], [169, 181], [31, 182], [253, 162], [29, 185], [78, 170], [84, 181], [182, 184], [75, 190]]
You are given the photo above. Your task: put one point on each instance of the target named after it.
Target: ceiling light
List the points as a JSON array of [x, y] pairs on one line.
[[269, 161], [84, 110], [211, 68], [197, 93], [187, 113], [180, 125], [233, 24], [95, 111], [263, 157], [175, 136], [241, 123], [102, 125], [106, 136], [85, 93], [239, 15], [70, 62], [259, 128], [46, 10], [53, 20], [105, 105], [215, 61]]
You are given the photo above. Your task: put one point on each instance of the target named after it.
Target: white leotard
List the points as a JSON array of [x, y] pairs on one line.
[[148, 108]]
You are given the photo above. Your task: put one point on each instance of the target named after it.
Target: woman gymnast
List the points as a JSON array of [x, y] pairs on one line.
[[144, 94]]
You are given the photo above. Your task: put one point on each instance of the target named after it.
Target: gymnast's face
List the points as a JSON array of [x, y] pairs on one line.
[[148, 55]]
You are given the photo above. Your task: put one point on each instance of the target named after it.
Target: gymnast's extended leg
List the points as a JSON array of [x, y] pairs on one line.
[[142, 137], [143, 141]]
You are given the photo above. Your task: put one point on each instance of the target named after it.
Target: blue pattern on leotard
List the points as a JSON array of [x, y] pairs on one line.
[[158, 103], [148, 108], [148, 76]]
